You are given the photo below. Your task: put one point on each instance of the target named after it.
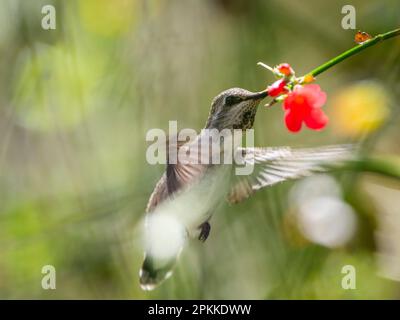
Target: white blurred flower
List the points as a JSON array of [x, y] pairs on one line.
[[313, 187], [327, 221], [322, 216]]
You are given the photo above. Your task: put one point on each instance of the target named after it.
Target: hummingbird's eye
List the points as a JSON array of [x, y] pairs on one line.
[[231, 100]]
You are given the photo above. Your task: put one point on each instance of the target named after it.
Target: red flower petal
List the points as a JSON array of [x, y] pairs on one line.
[[315, 97], [277, 88], [293, 121], [294, 100], [316, 119], [304, 104], [288, 102]]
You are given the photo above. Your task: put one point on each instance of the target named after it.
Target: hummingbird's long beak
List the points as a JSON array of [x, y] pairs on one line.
[[258, 95]]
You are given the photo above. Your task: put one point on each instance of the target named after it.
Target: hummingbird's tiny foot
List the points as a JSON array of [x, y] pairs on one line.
[[205, 231]]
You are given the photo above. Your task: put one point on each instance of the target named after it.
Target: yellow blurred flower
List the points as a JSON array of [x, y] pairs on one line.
[[360, 108]]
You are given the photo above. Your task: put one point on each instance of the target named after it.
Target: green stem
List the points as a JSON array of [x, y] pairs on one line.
[[354, 50], [386, 167]]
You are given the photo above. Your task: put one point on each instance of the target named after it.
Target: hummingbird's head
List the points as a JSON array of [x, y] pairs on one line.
[[234, 108]]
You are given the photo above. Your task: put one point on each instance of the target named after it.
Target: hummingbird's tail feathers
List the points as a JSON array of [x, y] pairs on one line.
[[165, 237], [273, 165], [152, 274]]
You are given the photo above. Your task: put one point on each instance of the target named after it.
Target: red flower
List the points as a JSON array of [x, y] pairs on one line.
[[304, 104], [277, 88], [285, 69]]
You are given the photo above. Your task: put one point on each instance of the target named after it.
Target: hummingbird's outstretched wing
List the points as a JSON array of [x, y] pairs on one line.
[[273, 165]]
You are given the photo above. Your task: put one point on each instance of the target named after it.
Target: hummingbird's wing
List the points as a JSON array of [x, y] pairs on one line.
[[176, 177], [273, 165], [185, 167], [177, 174]]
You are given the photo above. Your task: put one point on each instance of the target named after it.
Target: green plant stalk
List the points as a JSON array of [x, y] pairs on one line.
[[386, 167], [354, 50]]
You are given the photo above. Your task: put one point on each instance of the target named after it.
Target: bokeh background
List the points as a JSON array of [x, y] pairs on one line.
[[75, 106]]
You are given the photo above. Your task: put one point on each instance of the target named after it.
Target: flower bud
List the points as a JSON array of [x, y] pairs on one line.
[[285, 69], [308, 78], [277, 88]]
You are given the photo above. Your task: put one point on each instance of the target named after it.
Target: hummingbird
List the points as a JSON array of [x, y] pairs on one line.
[[187, 194]]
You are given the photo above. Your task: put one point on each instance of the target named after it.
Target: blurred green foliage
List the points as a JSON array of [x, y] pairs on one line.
[[76, 103]]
